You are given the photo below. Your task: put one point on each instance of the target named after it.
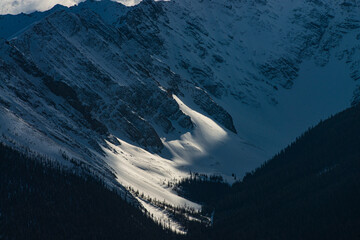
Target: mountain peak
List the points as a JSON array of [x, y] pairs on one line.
[[151, 92]]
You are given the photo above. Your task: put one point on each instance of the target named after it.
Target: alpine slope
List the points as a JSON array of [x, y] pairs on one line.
[[142, 95]]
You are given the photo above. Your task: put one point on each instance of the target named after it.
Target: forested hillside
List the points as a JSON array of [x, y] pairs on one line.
[[310, 190], [38, 200]]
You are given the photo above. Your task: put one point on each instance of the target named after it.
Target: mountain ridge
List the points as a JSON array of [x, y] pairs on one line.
[[148, 93]]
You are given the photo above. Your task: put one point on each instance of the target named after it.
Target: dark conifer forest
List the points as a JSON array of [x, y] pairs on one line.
[[40, 201], [310, 190]]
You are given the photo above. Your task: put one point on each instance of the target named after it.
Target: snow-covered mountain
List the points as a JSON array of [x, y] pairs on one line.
[[142, 95]]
